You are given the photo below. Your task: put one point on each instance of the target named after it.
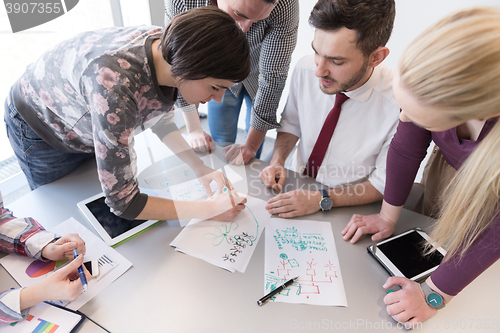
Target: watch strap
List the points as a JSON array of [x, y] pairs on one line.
[[324, 193]]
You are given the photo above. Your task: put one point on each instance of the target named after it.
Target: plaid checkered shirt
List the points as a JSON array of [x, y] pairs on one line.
[[272, 42]]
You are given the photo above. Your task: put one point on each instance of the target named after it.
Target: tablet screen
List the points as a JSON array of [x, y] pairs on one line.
[[114, 225], [405, 252]]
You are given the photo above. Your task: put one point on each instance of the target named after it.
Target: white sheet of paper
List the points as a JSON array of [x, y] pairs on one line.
[[305, 249], [229, 245], [44, 315], [111, 264], [180, 183]]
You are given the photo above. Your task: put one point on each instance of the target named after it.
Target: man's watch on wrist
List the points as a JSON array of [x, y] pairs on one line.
[[432, 298], [326, 202]]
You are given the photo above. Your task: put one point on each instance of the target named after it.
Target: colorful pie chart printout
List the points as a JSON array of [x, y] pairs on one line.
[[40, 268]]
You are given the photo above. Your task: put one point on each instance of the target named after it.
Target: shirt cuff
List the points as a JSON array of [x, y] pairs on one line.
[[189, 108], [136, 206], [10, 306], [36, 243], [262, 125]]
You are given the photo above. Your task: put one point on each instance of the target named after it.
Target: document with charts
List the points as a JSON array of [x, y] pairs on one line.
[[27, 271]]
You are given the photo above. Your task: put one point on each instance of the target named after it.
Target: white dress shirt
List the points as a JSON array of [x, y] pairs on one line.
[[367, 123]]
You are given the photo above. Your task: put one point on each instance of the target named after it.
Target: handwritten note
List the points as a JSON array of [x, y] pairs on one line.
[[305, 249], [229, 245]]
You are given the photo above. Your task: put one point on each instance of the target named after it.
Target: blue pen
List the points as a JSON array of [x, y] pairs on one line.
[[83, 278]]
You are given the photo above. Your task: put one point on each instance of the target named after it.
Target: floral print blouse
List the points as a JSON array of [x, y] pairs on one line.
[[93, 93]]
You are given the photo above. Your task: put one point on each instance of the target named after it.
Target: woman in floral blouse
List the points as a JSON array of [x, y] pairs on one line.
[[90, 95]]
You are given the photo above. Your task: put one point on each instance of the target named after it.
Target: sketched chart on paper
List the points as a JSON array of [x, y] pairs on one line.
[[305, 249], [229, 245]]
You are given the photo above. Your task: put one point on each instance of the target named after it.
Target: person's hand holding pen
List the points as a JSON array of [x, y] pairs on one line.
[[227, 205], [274, 176], [62, 285], [206, 175]]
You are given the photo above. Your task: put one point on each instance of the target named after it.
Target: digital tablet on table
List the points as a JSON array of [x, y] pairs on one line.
[[403, 255], [112, 229]]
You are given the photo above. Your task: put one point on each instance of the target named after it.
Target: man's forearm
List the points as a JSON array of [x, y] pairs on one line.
[[283, 147], [255, 138], [359, 194]]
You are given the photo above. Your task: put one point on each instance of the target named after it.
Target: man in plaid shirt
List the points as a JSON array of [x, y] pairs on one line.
[[271, 29], [26, 237]]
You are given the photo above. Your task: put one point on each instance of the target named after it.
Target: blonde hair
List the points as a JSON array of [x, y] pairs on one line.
[[454, 67]]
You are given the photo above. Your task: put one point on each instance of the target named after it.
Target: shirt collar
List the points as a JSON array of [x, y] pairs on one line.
[[364, 92]]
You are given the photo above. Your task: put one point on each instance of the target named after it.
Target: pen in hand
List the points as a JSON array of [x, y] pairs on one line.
[[83, 278]]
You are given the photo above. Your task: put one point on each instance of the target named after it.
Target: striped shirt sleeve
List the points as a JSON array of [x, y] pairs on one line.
[[26, 237]]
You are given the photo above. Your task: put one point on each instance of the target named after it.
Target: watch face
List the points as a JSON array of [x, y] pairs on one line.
[[326, 203], [434, 300]]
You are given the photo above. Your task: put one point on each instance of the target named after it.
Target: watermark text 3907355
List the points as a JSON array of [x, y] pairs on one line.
[[25, 14]]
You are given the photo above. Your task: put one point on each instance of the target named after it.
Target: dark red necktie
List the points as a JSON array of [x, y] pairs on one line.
[[324, 138]]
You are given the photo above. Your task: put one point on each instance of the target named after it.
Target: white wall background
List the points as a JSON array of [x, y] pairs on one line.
[[412, 17]]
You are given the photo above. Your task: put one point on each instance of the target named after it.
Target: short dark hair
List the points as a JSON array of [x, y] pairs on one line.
[[372, 19], [206, 42]]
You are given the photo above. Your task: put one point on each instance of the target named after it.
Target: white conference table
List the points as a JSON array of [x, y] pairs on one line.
[[166, 291]]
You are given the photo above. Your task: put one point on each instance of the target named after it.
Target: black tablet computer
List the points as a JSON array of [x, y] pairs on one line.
[[403, 255], [112, 229]]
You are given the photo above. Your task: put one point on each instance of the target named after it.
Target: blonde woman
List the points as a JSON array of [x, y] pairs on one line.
[[448, 85]]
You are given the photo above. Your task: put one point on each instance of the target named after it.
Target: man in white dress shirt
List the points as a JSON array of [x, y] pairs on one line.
[[349, 45]]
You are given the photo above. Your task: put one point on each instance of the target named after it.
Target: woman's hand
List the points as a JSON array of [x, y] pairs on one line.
[[226, 206], [63, 248], [377, 224], [200, 141], [62, 285], [206, 175], [407, 305]]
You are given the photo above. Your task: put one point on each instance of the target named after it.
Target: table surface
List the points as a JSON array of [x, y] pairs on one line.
[[166, 291]]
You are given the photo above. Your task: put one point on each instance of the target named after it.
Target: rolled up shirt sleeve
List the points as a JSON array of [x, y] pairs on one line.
[[10, 307], [22, 236], [274, 63]]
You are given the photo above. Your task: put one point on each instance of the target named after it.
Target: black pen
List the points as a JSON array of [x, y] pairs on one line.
[[275, 291]]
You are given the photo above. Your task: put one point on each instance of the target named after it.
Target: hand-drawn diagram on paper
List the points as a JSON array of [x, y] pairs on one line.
[[305, 249], [229, 245]]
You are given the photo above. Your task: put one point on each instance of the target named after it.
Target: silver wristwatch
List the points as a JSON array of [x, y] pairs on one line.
[[326, 202]]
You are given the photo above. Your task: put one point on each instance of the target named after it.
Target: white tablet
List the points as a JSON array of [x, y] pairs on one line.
[[112, 229], [402, 255]]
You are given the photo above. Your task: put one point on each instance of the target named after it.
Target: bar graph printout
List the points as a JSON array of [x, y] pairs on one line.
[[44, 318], [305, 249]]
